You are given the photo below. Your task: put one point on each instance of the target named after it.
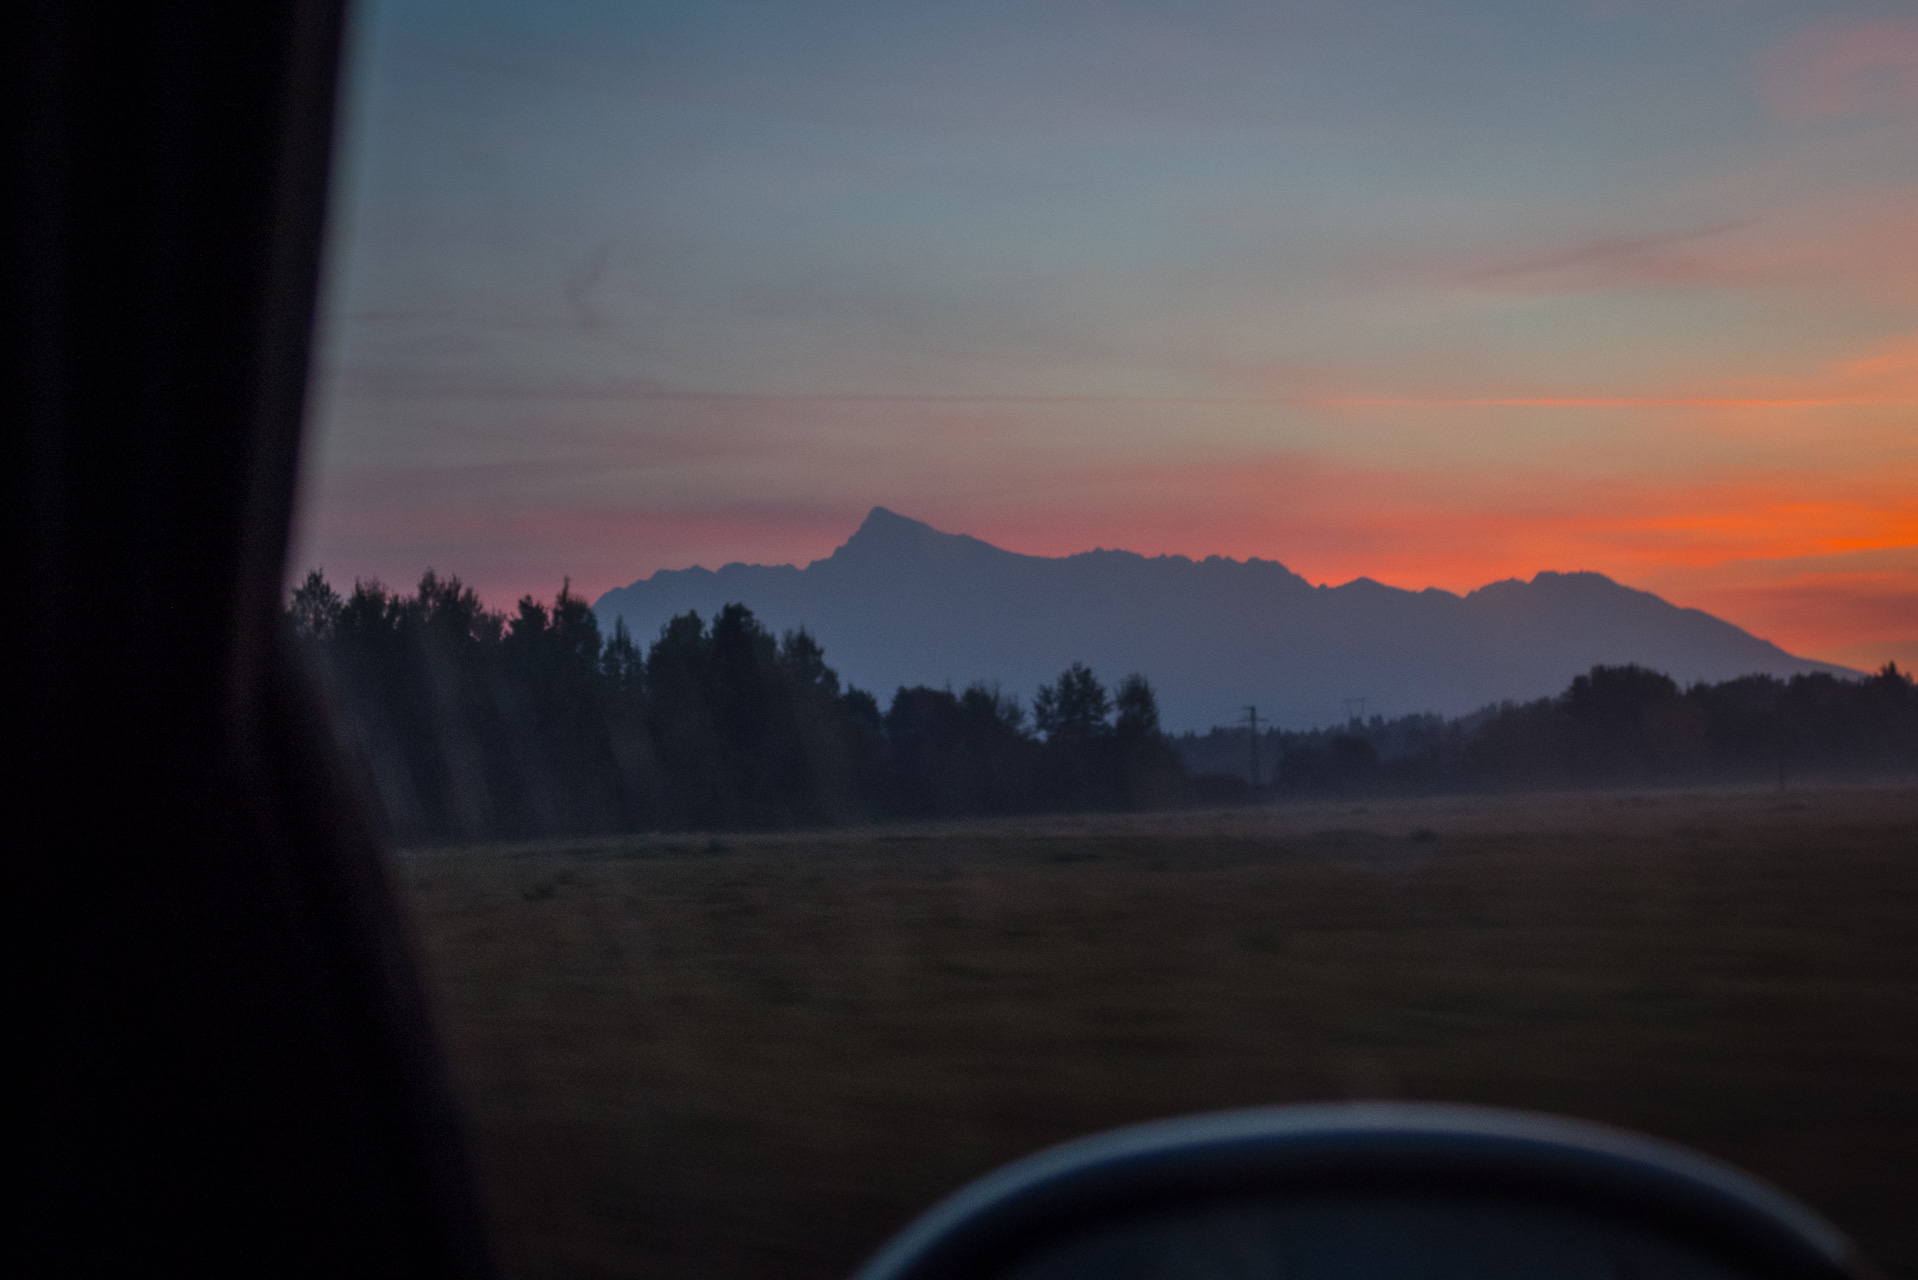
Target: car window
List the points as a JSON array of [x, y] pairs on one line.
[[916, 581]]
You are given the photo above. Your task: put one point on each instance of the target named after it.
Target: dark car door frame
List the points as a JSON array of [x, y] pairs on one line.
[[228, 1060]]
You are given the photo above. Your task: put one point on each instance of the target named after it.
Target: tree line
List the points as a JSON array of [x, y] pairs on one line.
[[477, 724], [1615, 726]]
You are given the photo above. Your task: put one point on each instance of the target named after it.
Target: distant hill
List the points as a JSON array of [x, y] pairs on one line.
[[903, 603]]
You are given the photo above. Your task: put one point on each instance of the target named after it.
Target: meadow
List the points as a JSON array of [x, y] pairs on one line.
[[751, 1055]]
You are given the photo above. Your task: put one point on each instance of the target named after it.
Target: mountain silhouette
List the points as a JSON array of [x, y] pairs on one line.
[[902, 603]]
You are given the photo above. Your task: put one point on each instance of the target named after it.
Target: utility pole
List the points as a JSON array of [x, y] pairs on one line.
[[1252, 722], [1778, 733], [1355, 708]]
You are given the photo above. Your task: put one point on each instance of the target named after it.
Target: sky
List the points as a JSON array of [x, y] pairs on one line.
[[1436, 294]]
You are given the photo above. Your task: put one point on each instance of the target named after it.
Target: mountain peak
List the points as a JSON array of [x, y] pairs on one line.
[[885, 524], [886, 537]]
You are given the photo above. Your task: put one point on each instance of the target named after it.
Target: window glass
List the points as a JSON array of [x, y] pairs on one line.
[[918, 580]]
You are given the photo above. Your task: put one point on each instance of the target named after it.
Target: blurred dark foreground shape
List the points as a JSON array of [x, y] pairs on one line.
[[225, 1067]]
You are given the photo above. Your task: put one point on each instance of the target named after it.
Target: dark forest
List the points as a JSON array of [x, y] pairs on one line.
[[477, 724], [1622, 726]]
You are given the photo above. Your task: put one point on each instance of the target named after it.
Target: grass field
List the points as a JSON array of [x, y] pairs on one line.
[[758, 1055]]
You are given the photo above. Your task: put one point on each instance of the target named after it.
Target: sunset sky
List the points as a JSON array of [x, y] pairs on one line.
[[1433, 293]]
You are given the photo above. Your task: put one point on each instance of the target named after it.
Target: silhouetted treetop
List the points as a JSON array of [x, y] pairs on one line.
[[1137, 706], [315, 606], [1074, 708]]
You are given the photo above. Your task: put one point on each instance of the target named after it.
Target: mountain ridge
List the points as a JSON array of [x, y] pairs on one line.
[[900, 602]]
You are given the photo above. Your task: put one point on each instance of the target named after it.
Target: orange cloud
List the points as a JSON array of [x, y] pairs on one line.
[[1821, 612], [1893, 361], [1461, 527], [1678, 490], [1693, 542], [1712, 544], [1619, 402]]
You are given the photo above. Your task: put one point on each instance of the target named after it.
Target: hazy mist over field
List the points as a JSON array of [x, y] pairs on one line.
[[901, 603]]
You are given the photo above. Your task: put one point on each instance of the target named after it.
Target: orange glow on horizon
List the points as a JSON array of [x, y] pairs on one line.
[[1619, 402], [1475, 500]]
